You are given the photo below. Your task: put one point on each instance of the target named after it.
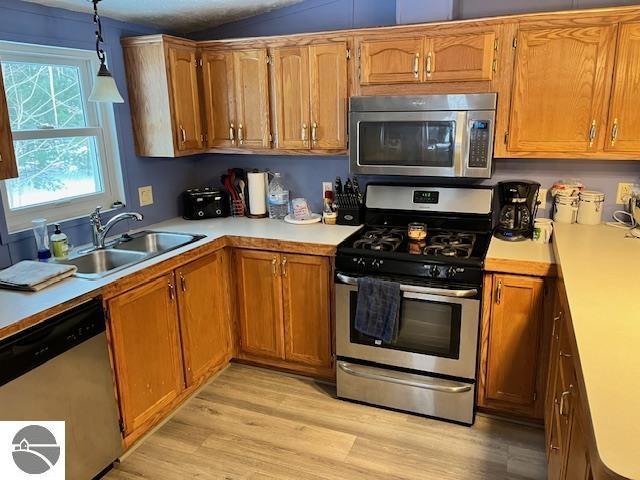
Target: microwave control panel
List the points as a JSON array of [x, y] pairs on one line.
[[479, 144]]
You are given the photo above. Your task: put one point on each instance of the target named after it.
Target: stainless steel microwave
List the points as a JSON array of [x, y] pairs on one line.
[[427, 135]]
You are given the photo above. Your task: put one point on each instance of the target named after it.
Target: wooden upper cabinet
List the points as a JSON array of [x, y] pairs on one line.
[[8, 166], [455, 58], [391, 61], [291, 105], [307, 315], [328, 68], [259, 290], [203, 299], [219, 98], [623, 133], [183, 67], [560, 88], [252, 98], [513, 344], [146, 349]]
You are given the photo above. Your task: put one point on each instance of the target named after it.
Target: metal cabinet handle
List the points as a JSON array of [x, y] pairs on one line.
[[563, 396], [614, 132], [314, 132], [172, 291], [284, 266], [554, 448], [592, 133], [499, 292], [428, 65], [555, 333], [183, 283], [564, 354], [240, 134], [183, 134], [274, 266], [232, 135], [416, 65], [303, 133]]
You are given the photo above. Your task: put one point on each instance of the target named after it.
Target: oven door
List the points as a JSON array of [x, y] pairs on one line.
[[438, 331], [408, 143]]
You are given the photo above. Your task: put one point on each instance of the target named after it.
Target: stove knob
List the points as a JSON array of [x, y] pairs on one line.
[[451, 272], [434, 271]]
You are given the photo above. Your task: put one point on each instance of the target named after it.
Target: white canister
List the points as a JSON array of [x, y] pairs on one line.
[[590, 207], [565, 208], [542, 230]]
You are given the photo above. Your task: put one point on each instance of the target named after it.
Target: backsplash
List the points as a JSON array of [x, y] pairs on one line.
[[304, 175]]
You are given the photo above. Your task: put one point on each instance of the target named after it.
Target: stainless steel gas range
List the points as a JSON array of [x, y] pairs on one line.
[[430, 368]]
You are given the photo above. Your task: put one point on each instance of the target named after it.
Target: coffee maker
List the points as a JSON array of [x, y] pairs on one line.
[[518, 204]]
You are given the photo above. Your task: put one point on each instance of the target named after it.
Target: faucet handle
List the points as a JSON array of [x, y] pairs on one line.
[[95, 215]]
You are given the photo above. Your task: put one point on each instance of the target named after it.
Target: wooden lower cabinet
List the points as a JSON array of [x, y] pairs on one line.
[[566, 424], [284, 310], [203, 299], [146, 350], [511, 379]]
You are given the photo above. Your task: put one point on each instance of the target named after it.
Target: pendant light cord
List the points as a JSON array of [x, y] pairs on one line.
[[99, 39]]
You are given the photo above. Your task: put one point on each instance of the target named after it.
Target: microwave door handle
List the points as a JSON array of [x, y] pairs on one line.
[[461, 148], [445, 292]]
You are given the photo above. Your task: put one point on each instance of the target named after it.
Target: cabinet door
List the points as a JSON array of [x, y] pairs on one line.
[[513, 342], [146, 349], [217, 79], [291, 107], [578, 466], [203, 298], [460, 58], [307, 317], [560, 89], [252, 98], [8, 166], [328, 95], [624, 114], [185, 97], [554, 358], [391, 61], [260, 303]]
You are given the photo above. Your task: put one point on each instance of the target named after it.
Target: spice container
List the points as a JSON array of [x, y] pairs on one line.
[[417, 231], [590, 207]]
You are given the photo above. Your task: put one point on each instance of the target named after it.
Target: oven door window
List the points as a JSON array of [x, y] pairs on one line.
[[426, 327], [426, 143]]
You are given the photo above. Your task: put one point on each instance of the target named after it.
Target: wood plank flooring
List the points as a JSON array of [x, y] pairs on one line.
[[255, 424]]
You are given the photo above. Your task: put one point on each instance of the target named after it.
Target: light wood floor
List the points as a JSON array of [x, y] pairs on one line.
[[256, 424]]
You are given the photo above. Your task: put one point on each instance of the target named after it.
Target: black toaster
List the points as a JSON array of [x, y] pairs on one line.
[[200, 203]]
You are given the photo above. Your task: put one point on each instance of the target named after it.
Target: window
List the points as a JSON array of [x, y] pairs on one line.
[[66, 146]]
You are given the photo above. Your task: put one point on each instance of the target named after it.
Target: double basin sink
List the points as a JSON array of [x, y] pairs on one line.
[[127, 251]]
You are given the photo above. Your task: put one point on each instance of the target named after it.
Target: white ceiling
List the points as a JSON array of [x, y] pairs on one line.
[[174, 15]]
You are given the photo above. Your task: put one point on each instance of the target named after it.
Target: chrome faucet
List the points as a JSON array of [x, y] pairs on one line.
[[99, 232]]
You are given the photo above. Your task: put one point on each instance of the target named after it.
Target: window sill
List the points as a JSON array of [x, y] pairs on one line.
[[68, 223]]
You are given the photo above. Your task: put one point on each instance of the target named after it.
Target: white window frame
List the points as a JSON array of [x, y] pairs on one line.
[[100, 124]]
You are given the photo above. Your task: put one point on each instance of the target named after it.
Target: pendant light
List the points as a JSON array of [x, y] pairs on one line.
[[104, 87]]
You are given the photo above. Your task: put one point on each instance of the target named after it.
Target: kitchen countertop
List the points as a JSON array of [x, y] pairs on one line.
[[17, 306], [599, 268], [526, 257]]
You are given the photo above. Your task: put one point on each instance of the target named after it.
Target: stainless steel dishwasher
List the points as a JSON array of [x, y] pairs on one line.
[[60, 370]]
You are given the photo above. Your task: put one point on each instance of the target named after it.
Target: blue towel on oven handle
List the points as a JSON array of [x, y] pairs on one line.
[[378, 309]]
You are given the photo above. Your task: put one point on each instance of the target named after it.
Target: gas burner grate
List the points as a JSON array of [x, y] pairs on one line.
[[381, 240], [451, 244]]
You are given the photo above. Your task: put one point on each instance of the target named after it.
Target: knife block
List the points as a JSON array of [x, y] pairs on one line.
[[350, 215]]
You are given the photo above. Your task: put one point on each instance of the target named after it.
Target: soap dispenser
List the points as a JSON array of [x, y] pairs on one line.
[[59, 243]]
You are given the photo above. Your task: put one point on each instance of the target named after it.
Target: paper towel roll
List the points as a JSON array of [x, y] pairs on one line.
[[257, 193]]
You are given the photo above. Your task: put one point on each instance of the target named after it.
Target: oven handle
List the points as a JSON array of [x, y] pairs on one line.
[[472, 292], [354, 370]]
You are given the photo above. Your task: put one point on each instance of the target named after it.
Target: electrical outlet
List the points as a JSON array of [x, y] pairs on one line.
[[542, 198], [327, 187], [624, 193], [145, 195]]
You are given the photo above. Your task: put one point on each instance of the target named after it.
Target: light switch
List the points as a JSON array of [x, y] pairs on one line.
[[146, 195]]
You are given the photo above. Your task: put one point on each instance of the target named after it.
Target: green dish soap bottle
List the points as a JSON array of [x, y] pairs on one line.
[[59, 243]]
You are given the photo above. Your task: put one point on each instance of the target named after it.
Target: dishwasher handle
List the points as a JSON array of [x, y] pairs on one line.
[[445, 292], [34, 346]]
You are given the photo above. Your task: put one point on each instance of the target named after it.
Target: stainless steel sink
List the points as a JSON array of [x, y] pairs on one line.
[[98, 263], [155, 242], [127, 251]]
